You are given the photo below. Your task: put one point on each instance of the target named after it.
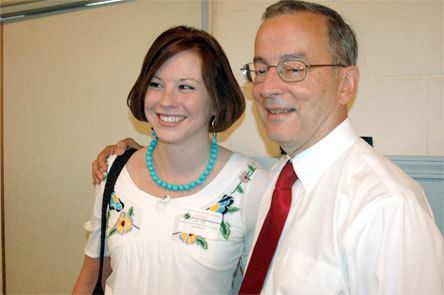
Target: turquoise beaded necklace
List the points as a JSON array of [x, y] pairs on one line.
[[179, 187]]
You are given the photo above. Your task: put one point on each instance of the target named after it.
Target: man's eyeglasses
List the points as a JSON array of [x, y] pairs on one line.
[[288, 70]]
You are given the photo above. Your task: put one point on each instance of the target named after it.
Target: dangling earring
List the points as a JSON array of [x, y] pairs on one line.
[[153, 133], [213, 128]]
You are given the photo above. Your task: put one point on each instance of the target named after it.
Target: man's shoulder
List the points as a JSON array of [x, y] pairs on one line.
[[372, 185], [371, 174]]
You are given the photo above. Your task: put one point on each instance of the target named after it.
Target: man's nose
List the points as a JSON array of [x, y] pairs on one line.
[[272, 83]]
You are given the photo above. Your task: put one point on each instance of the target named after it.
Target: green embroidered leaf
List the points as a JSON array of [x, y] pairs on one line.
[[108, 214], [235, 189], [225, 229], [233, 209], [201, 242], [131, 212], [240, 189], [112, 231], [251, 169]]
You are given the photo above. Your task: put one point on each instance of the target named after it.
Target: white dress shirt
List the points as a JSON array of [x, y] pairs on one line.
[[357, 225]]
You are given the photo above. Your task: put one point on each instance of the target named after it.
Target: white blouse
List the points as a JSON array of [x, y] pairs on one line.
[[149, 240]]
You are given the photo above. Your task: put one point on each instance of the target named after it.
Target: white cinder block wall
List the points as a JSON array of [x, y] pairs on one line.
[[400, 101]]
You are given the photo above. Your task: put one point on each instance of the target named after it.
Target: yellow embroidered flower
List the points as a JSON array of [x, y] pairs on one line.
[[187, 238], [124, 224], [190, 239], [215, 207], [223, 206]]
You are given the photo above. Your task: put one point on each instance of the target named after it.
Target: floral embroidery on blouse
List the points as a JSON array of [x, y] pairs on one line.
[[223, 206], [190, 239], [244, 178], [124, 223], [115, 203]]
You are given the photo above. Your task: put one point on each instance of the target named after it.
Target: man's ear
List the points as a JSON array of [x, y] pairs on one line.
[[349, 85]]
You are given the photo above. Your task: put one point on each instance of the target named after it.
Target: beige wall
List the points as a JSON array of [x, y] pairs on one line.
[[66, 78], [66, 81], [1, 156]]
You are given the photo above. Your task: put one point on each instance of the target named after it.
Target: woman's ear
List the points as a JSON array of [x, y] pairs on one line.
[[349, 85]]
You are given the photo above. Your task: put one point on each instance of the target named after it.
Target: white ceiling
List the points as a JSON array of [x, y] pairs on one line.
[[15, 9], [13, 6]]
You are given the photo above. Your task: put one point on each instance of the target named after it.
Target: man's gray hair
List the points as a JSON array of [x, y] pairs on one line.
[[341, 38]]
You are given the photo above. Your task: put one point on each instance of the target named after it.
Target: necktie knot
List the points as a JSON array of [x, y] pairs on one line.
[[287, 177]]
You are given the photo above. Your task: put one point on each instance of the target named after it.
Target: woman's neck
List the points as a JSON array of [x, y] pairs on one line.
[[179, 163]]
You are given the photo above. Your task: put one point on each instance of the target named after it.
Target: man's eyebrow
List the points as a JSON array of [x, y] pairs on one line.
[[292, 56], [299, 56], [258, 59]]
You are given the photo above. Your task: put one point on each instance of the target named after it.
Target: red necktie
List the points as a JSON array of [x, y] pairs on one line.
[[270, 232]]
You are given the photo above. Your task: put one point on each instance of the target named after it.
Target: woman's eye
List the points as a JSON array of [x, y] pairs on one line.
[[155, 84], [186, 87]]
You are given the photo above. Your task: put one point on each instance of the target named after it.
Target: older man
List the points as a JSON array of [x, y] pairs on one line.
[[355, 224], [337, 218]]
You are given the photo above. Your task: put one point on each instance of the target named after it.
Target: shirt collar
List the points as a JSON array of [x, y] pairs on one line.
[[312, 163]]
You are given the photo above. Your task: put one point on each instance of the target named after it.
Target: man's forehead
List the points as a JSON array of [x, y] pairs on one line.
[[299, 35], [286, 25]]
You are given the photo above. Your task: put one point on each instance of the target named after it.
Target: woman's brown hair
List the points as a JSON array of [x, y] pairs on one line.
[[226, 95]]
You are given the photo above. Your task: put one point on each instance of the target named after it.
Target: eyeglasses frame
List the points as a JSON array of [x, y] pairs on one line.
[[246, 75]]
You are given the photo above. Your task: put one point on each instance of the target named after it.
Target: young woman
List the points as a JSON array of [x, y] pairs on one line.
[[184, 208]]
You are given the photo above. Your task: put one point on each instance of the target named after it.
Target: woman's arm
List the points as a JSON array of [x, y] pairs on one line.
[[88, 275]]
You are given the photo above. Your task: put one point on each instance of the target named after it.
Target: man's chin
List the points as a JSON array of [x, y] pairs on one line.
[[278, 135]]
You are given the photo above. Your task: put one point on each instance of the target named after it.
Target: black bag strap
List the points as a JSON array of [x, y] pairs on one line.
[[111, 179]]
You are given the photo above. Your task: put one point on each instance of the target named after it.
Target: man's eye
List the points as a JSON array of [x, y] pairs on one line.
[[186, 87], [294, 70], [261, 71]]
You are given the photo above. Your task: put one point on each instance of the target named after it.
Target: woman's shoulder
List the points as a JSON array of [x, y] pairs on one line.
[[109, 161], [246, 169], [138, 153], [243, 160]]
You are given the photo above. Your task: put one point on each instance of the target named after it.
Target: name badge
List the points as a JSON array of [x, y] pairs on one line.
[[200, 222]]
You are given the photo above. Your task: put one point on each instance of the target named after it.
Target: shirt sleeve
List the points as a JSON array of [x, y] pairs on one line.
[[93, 225], [398, 250]]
